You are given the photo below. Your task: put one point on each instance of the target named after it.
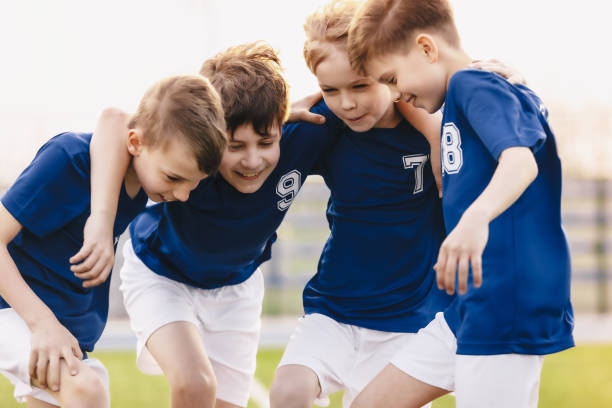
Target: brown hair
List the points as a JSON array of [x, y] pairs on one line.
[[327, 26], [249, 79], [385, 26], [187, 105]]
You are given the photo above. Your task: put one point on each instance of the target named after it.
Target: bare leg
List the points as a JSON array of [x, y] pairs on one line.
[[36, 403], [392, 388], [225, 404], [179, 351], [294, 386], [85, 389]]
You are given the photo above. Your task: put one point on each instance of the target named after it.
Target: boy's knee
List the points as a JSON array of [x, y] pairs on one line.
[[195, 385], [285, 393], [85, 389]]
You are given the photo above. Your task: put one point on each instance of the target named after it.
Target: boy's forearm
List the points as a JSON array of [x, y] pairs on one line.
[[516, 169], [109, 162], [429, 124], [16, 292]]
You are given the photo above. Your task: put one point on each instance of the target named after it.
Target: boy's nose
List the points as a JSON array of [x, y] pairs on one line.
[[181, 194], [348, 102], [251, 159]]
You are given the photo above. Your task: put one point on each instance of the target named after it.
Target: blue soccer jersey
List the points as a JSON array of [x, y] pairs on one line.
[[523, 305], [220, 236], [385, 218], [51, 199]]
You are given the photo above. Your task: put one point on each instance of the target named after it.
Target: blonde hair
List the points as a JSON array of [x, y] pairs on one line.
[[185, 106], [328, 26], [253, 90], [386, 26]]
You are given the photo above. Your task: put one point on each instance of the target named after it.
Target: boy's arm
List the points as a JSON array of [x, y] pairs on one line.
[[50, 341], [109, 162], [516, 169], [511, 74], [430, 126]]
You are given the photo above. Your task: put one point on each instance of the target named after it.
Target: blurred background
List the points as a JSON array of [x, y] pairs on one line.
[[63, 61]]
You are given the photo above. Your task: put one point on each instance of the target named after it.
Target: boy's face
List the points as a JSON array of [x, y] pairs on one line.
[[417, 79], [167, 171], [250, 158], [359, 101]]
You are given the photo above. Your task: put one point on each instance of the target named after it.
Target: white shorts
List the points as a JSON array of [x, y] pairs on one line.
[[344, 357], [228, 318], [15, 357], [502, 380]]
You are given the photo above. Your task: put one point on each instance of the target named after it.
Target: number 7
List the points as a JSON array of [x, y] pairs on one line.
[[416, 162]]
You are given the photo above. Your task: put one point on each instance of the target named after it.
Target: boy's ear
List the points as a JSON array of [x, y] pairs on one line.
[[135, 141], [428, 47]]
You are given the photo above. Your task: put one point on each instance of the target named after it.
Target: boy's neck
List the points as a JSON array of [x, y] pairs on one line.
[[455, 59], [131, 182], [390, 119]]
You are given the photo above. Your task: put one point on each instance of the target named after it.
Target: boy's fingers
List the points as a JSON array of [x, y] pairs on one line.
[[101, 278], [87, 264], [41, 369], [71, 361], [76, 351], [439, 268], [94, 272], [32, 363], [82, 254], [449, 273], [463, 273], [53, 373], [477, 270]]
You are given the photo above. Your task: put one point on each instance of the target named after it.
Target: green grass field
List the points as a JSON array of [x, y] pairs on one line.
[[580, 377]]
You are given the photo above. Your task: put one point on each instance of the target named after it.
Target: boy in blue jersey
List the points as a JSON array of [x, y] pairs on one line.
[[502, 192], [190, 280], [49, 317], [368, 295]]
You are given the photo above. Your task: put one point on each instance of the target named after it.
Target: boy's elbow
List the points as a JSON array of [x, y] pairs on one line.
[[113, 113]]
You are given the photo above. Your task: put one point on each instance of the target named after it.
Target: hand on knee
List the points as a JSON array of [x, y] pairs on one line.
[[85, 389]]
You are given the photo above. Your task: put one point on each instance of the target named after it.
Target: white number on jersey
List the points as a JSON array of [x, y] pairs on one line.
[[416, 162], [452, 155], [288, 187]]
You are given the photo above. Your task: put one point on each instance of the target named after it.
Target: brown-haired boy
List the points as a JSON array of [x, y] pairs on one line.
[[502, 191], [191, 279], [49, 320]]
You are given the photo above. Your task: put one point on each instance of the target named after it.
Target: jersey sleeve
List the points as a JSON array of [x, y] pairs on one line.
[[312, 139], [52, 190], [501, 114]]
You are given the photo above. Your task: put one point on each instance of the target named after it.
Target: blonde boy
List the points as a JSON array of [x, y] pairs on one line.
[[502, 188]]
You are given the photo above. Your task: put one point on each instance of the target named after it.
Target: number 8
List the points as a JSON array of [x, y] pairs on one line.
[[452, 155]]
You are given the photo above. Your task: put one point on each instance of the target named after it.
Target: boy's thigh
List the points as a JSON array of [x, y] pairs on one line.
[[15, 356], [504, 380], [374, 351], [326, 347], [429, 356]]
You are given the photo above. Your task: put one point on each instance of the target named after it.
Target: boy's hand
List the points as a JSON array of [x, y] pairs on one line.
[[50, 343], [510, 73], [94, 261], [300, 110], [461, 248]]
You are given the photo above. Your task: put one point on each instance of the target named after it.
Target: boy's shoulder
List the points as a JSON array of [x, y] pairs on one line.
[[470, 84], [70, 142]]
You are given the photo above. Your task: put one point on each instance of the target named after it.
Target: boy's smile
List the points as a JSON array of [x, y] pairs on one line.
[[250, 158]]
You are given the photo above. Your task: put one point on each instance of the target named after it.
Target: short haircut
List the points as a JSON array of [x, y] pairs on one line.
[[386, 26], [185, 106], [326, 27], [253, 90]]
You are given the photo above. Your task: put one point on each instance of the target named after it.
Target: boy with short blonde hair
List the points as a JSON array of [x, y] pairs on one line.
[[50, 319], [502, 192]]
